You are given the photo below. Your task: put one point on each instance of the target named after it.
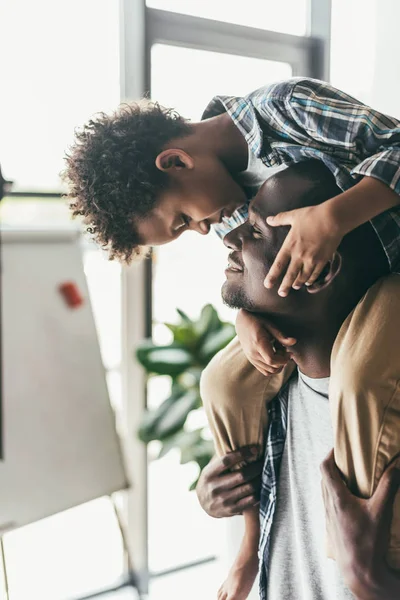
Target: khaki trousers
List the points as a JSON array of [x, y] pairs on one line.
[[364, 396]]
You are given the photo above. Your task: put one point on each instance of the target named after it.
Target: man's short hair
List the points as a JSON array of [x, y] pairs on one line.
[[111, 174]]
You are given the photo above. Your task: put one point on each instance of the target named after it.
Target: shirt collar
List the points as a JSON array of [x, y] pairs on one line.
[[243, 114]]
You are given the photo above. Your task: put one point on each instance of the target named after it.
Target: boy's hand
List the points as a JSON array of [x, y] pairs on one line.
[[263, 345], [313, 239]]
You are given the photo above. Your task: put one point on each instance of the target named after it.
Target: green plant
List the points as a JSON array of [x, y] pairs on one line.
[[194, 344]]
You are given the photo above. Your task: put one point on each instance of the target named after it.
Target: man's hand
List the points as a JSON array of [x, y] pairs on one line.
[[223, 493], [360, 532], [262, 343], [313, 239]]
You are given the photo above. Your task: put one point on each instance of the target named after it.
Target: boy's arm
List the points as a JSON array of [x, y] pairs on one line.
[[314, 114]]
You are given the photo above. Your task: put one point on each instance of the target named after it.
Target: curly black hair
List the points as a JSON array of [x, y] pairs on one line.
[[111, 174]]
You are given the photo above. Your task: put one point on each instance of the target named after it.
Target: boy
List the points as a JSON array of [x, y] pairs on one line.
[[145, 175]]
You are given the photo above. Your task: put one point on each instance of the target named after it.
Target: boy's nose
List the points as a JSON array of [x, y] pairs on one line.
[[202, 227]]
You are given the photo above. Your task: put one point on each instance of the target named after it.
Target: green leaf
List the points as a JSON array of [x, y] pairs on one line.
[[208, 322], [175, 418], [148, 428], [215, 341], [184, 334], [193, 486], [171, 360], [183, 316], [181, 440]]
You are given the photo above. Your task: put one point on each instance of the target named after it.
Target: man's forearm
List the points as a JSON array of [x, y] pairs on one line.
[[364, 201]]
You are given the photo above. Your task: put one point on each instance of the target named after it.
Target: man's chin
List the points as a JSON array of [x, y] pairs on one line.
[[235, 297]]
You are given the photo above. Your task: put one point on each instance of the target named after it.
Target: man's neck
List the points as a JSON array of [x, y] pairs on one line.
[[312, 352]]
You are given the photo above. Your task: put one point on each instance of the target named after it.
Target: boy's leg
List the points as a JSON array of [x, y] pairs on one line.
[[235, 396], [365, 395]]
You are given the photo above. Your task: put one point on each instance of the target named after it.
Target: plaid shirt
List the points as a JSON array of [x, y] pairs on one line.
[[303, 118], [285, 123]]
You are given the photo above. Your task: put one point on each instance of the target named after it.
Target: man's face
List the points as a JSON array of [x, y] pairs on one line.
[[255, 245], [194, 200]]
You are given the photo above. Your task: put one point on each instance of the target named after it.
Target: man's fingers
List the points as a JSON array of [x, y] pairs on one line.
[[331, 477], [386, 491], [291, 274], [246, 503], [279, 266], [244, 491], [230, 460], [240, 478]]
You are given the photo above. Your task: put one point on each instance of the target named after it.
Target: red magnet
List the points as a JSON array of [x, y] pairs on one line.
[[71, 294]]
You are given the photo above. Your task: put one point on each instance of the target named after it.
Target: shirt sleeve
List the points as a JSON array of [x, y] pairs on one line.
[[315, 114]]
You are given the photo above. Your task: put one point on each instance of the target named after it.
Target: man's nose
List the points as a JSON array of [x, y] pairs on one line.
[[202, 227], [232, 240]]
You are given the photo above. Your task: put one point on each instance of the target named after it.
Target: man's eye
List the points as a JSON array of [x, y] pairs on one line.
[[256, 233]]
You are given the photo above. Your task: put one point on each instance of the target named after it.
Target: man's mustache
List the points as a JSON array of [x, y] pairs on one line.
[[233, 259]]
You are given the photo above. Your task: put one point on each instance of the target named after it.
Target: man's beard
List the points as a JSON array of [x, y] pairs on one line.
[[235, 297]]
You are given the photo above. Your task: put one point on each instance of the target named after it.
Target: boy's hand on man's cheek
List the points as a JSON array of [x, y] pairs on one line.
[[313, 239]]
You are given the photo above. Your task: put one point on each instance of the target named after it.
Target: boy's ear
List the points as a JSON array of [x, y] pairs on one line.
[[174, 159], [328, 274]]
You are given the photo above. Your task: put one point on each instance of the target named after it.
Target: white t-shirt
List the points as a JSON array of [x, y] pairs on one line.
[[299, 568]]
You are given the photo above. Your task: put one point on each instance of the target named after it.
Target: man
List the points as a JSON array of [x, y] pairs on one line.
[[292, 560]]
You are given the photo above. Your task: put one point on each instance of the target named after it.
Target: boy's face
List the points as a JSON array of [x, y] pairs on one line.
[[195, 199]]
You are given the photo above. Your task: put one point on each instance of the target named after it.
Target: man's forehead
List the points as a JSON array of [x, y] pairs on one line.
[[281, 192], [268, 196]]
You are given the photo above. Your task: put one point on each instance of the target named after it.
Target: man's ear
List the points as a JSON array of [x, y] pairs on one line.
[[328, 274], [174, 159]]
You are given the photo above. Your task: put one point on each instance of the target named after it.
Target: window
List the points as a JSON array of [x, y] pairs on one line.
[[59, 70], [202, 74], [286, 16]]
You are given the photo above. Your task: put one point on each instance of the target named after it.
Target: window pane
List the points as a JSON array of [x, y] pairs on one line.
[[286, 16], [188, 274], [202, 75], [60, 66], [353, 22]]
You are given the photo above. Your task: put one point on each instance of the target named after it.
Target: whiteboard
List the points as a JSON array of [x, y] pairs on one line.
[[60, 446]]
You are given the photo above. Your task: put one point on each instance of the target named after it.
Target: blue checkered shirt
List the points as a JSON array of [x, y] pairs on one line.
[[302, 118], [285, 123]]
